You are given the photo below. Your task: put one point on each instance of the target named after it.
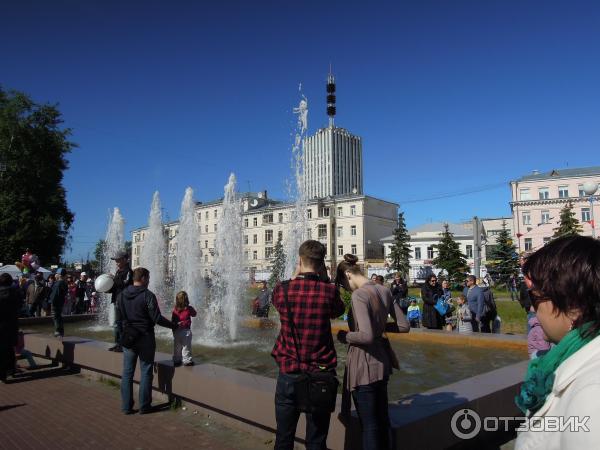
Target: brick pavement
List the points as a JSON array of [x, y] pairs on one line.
[[58, 409]]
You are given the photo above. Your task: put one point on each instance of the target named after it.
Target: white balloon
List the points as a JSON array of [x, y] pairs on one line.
[[104, 283]]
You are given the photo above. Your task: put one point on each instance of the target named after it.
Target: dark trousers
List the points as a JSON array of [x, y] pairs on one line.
[[59, 326], [118, 326], [287, 415], [371, 403], [474, 323], [7, 358], [486, 325], [35, 310]]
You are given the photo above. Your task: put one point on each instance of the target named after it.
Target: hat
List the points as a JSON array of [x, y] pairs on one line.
[[83, 274], [121, 254], [60, 271]]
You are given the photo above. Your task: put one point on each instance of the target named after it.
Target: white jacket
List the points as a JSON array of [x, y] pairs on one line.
[[576, 392]]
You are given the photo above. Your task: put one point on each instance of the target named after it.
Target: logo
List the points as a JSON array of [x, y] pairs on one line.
[[465, 423]]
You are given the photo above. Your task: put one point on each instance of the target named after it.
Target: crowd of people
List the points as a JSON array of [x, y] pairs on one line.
[[561, 296]]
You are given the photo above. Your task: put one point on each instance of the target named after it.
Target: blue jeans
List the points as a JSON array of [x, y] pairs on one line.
[[57, 317], [371, 403], [287, 414], [144, 349]]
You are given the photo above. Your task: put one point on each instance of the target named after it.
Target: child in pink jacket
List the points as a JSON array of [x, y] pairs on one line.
[[182, 316]]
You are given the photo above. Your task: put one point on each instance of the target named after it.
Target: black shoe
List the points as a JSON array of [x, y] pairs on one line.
[[176, 363], [129, 411], [145, 411], [116, 348], [191, 363]]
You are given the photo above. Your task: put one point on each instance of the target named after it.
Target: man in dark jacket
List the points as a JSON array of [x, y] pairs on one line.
[[81, 285], [122, 279], [36, 294], [399, 290], [475, 301], [57, 300], [139, 311], [10, 306]]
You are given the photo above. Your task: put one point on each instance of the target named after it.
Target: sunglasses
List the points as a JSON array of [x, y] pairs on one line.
[[536, 298]]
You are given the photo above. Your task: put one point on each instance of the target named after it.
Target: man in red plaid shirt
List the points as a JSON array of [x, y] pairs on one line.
[[313, 302]]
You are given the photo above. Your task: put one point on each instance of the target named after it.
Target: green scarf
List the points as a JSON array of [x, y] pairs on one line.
[[540, 372]]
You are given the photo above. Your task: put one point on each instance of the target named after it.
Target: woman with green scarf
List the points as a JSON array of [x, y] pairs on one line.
[[563, 279]]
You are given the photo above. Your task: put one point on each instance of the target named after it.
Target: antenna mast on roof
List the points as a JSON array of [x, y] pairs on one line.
[[331, 110]]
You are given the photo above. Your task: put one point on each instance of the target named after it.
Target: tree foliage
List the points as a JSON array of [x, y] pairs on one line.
[[278, 270], [33, 149], [450, 258], [400, 249], [503, 260], [568, 225]]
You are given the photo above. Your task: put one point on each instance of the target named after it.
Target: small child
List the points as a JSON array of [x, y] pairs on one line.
[[537, 345], [463, 316], [182, 317], [414, 314]]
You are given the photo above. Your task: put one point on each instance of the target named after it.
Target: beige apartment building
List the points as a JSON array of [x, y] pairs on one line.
[[538, 198]]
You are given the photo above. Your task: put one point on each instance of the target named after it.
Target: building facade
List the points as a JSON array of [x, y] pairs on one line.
[[538, 198]]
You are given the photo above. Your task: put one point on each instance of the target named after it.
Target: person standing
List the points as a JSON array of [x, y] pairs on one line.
[[304, 344], [58, 294], [81, 286], [36, 294], [263, 301], [182, 317], [369, 360], [475, 301], [430, 292], [399, 290], [46, 304], [123, 278], [463, 316], [138, 308], [10, 306]]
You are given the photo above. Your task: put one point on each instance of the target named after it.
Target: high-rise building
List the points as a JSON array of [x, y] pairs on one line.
[[332, 157]]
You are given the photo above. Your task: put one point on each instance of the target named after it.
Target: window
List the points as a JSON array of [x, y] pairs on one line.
[[268, 252], [543, 193], [585, 215], [205, 244], [308, 233], [417, 252], [340, 231], [206, 228], [581, 191], [215, 227], [430, 252], [309, 213], [268, 236], [524, 194], [255, 221], [563, 192], [254, 254], [199, 216], [246, 222], [546, 240], [255, 239], [206, 215], [324, 212], [246, 255], [322, 231], [267, 218], [528, 244], [526, 218], [280, 217], [215, 213], [340, 211], [353, 249], [352, 210], [280, 235], [545, 216], [246, 239], [205, 258], [469, 250], [353, 230], [340, 250]]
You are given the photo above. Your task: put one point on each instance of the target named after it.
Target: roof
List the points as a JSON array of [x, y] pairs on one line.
[[562, 173]]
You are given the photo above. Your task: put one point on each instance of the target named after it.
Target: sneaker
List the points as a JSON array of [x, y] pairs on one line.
[[191, 363]]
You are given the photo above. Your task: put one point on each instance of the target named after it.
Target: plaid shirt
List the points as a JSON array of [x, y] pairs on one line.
[[313, 304]]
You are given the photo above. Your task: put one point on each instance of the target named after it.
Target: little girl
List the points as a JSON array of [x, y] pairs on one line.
[[463, 316], [182, 317]]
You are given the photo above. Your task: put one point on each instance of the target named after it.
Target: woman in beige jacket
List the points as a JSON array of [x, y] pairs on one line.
[[370, 357]]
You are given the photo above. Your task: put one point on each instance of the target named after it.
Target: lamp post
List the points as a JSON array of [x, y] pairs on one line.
[[590, 189]]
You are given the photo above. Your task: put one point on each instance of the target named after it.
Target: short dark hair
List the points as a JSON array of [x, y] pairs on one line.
[[567, 272], [472, 278], [380, 278], [313, 253], [139, 273], [5, 279]]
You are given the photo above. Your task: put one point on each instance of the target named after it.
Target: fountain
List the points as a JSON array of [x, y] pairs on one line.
[[187, 270], [113, 242], [228, 287], [298, 223], [154, 251]]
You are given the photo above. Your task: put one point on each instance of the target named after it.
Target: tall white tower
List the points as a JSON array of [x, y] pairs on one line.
[[332, 157]]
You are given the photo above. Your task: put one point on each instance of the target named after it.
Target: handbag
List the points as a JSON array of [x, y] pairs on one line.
[[313, 391], [129, 334], [441, 306]]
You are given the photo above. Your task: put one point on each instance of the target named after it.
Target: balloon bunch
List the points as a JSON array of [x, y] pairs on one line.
[[29, 262]]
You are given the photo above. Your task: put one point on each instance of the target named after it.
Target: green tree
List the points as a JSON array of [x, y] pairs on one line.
[[400, 249], [33, 149], [568, 225], [450, 258], [503, 258], [278, 270]]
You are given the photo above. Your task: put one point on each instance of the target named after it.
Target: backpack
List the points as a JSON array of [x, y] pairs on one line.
[[490, 311]]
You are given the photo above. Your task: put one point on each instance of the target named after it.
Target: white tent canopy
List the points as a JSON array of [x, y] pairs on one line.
[[15, 272]]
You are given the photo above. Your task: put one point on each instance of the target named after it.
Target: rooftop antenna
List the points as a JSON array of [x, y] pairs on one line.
[[331, 97]]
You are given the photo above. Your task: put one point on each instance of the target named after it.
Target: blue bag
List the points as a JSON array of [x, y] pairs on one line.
[[441, 306]]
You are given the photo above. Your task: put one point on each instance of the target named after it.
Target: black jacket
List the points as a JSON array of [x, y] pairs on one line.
[[10, 306], [58, 294], [139, 309], [122, 279], [430, 294], [399, 290]]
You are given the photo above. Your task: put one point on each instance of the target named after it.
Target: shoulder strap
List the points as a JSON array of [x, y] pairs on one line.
[[286, 285]]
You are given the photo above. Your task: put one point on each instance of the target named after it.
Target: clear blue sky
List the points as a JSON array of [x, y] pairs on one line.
[[448, 96]]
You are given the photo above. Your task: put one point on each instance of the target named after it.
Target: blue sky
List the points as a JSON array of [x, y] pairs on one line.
[[449, 96]]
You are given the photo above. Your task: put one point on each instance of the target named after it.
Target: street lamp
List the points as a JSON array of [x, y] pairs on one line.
[[590, 189]]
